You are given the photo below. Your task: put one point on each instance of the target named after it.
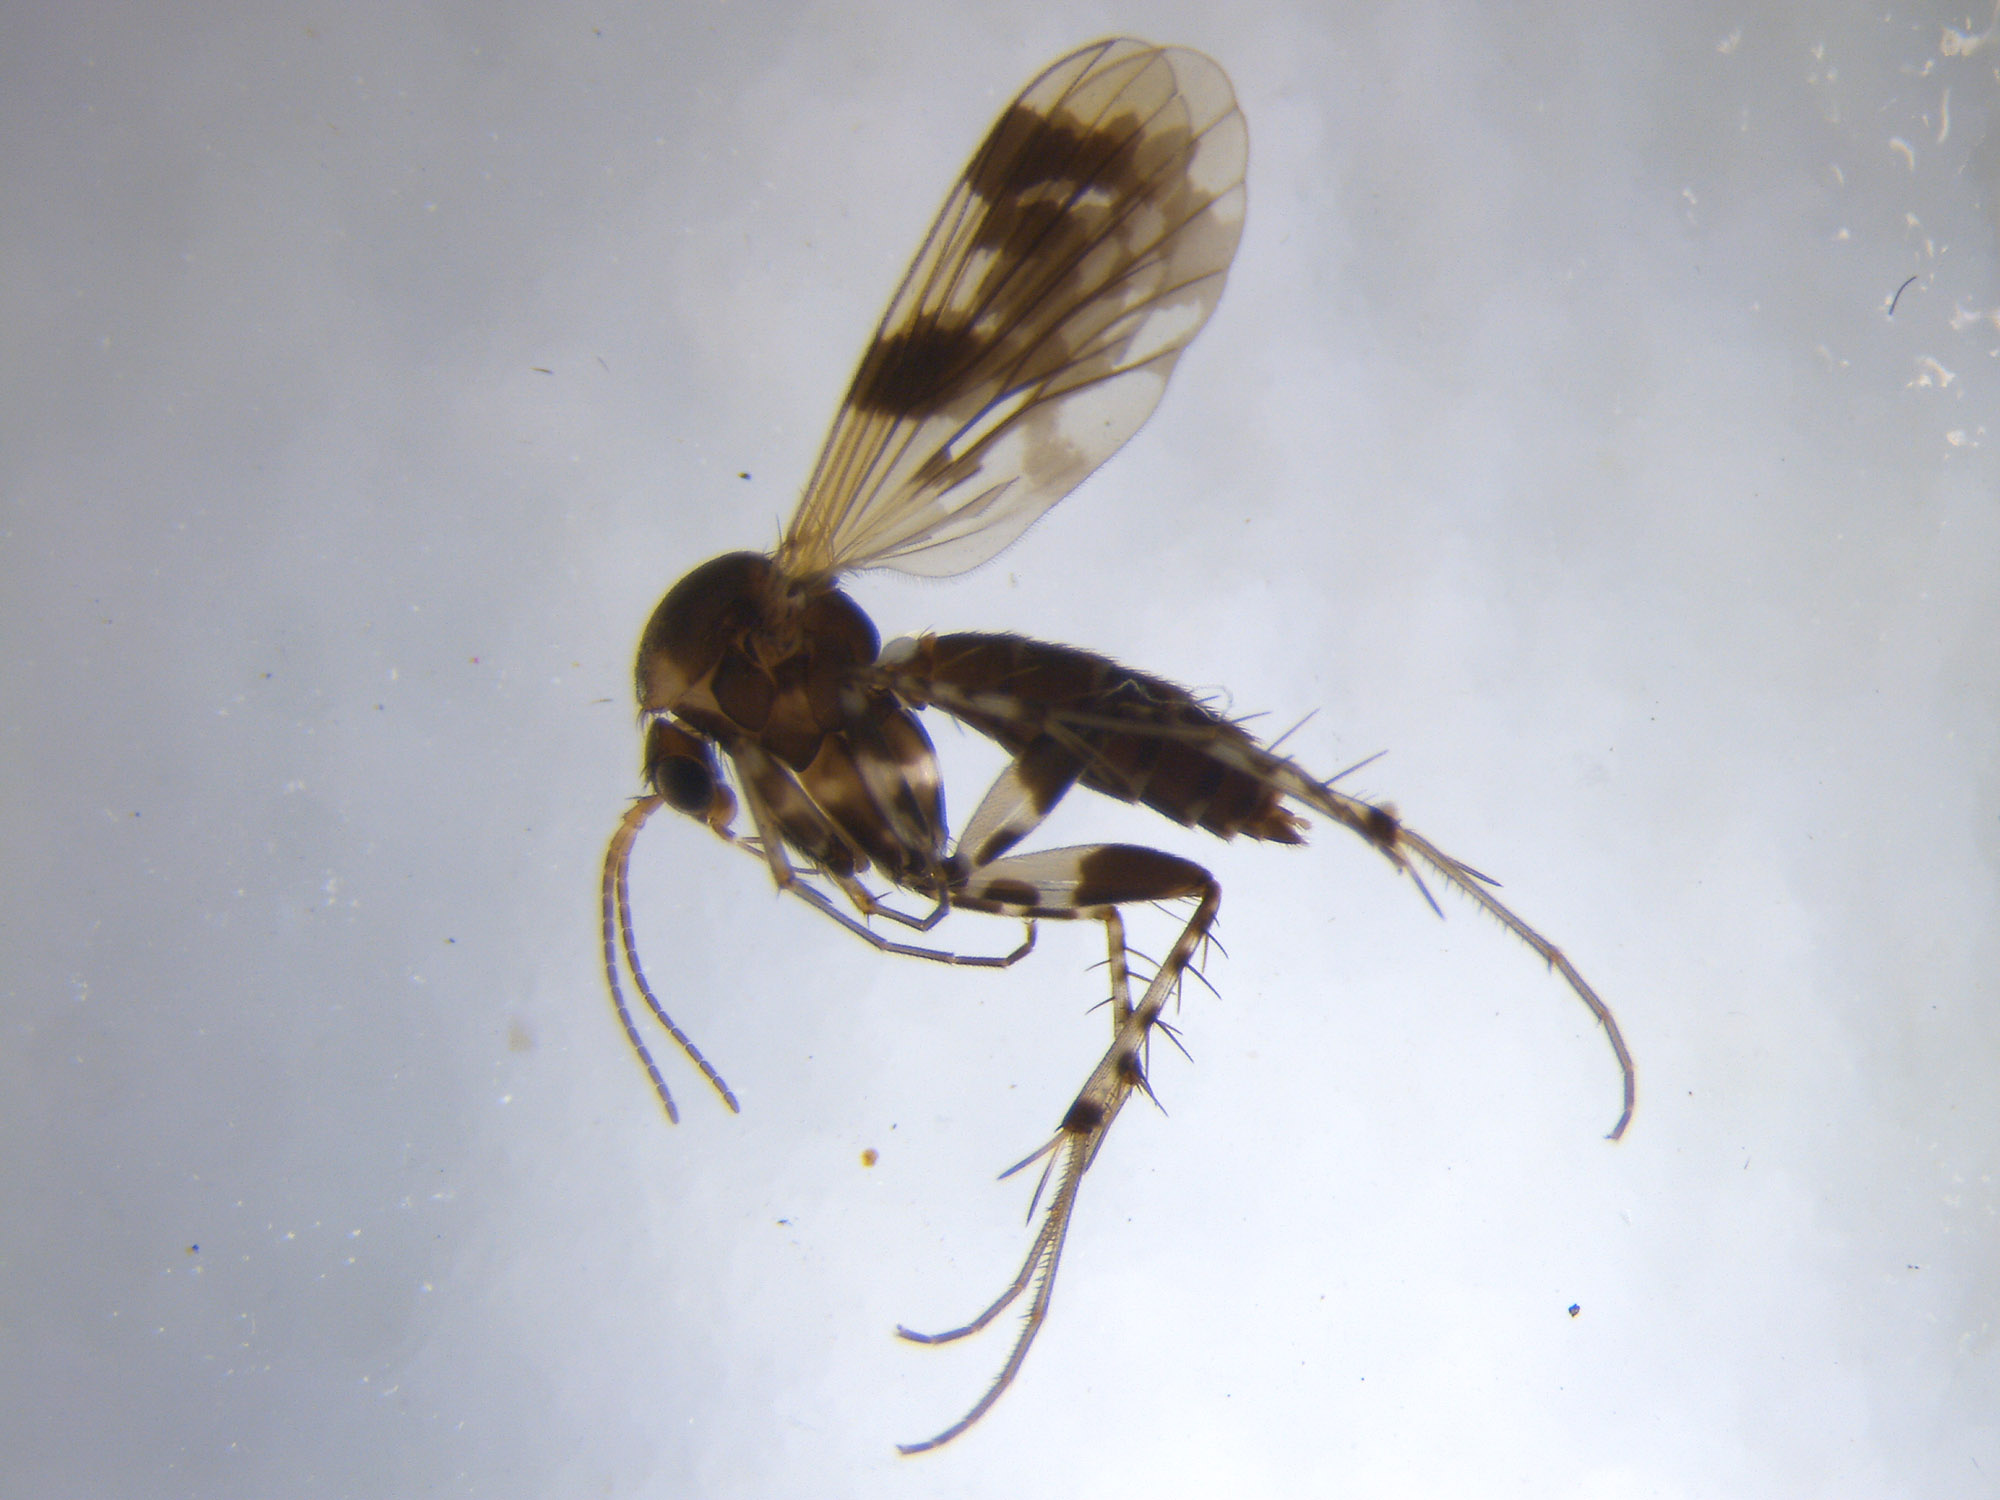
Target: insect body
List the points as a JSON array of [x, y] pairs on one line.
[[1081, 251]]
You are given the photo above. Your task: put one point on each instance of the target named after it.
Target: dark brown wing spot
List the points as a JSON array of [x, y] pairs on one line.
[[912, 372], [1049, 188], [1023, 148], [1027, 152], [1030, 225]]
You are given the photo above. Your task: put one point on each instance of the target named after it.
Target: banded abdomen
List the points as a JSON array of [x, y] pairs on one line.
[[1138, 738]]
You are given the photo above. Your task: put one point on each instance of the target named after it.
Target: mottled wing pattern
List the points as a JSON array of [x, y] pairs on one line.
[[1084, 247]]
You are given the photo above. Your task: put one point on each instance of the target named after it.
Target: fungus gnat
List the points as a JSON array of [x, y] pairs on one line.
[[1082, 249]]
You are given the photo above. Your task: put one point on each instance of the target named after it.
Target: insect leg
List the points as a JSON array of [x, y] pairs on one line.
[[768, 849], [799, 886], [1381, 827], [760, 779], [1019, 799], [1477, 888], [1228, 746], [1081, 884]]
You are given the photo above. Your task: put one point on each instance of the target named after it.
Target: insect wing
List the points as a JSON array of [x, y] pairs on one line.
[[1083, 248]]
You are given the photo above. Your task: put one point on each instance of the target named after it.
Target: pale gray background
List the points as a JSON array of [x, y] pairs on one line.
[[1552, 437]]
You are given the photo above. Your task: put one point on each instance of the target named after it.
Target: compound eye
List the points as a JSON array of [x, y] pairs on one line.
[[685, 784], [682, 769]]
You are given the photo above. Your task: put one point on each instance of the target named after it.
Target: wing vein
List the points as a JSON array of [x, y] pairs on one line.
[[1079, 253]]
